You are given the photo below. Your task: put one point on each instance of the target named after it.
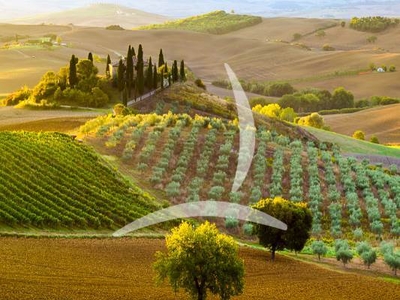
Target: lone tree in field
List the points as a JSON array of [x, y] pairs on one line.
[[73, 79], [359, 135], [319, 248], [295, 215], [200, 260]]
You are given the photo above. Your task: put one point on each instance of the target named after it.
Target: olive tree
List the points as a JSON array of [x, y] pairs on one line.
[[200, 260], [319, 248]]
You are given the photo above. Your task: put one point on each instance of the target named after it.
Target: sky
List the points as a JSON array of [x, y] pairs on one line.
[[182, 8]]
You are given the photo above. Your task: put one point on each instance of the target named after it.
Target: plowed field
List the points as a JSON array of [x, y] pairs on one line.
[[121, 269]]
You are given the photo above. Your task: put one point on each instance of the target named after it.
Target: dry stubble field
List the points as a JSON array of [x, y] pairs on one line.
[[121, 269]]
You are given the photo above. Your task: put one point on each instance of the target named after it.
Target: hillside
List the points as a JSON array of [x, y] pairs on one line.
[[217, 22], [96, 15], [382, 121], [192, 159], [262, 52], [48, 180]]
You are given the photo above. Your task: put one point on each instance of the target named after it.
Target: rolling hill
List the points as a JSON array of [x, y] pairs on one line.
[[96, 15], [382, 121], [48, 180], [261, 52], [195, 158]]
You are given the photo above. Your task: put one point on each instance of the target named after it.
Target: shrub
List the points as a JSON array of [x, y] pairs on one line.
[[359, 135], [200, 83], [327, 47], [392, 68], [114, 27], [374, 139]]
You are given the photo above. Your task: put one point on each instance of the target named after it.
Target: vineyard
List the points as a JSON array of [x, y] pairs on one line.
[[195, 158], [48, 180]]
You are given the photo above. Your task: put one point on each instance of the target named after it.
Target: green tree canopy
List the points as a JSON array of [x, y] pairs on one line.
[[359, 135], [200, 260], [342, 98], [319, 248], [295, 215]]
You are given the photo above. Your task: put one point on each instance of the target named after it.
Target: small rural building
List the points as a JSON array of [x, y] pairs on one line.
[[380, 70]]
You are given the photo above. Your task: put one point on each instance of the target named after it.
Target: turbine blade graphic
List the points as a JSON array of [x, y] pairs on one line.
[[203, 209], [247, 130]]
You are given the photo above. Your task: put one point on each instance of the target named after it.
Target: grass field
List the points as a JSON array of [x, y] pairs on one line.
[[350, 145], [122, 269]]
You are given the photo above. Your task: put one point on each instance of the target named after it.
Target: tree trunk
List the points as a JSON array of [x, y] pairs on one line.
[[273, 254], [319, 257]]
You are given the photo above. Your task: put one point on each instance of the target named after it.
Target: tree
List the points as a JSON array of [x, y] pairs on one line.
[[390, 256], [139, 86], [342, 98], [374, 139], [320, 33], [367, 254], [90, 57], [182, 71], [392, 68], [201, 260], [121, 76], [108, 71], [295, 215], [129, 68], [343, 252], [343, 24], [73, 79], [155, 78], [175, 71], [149, 75], [160, 59], [319, 248], [359, 135], [313, 120]]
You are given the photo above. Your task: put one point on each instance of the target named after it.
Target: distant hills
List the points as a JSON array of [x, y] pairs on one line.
[[343, 9], [96, 15]]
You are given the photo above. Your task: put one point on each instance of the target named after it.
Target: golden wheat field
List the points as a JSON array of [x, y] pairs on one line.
[[122, 269]]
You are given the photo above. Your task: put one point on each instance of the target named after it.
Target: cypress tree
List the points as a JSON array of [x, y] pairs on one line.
[[129, 69], [125, 96], [90, 57], [133, 51], [155, 78], [162, 78], [140, 53], [121, 76], [182, 71], [73, 79], [160, 59], [108, 73], [149, 75], [175, 71]]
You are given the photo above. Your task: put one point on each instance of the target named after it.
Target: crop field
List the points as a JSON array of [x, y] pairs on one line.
[[195, 159], [383, 122], [48, 180], [122, 269]]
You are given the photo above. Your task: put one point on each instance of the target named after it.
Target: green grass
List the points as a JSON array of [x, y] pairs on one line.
[[217, 22], [350, 145]]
